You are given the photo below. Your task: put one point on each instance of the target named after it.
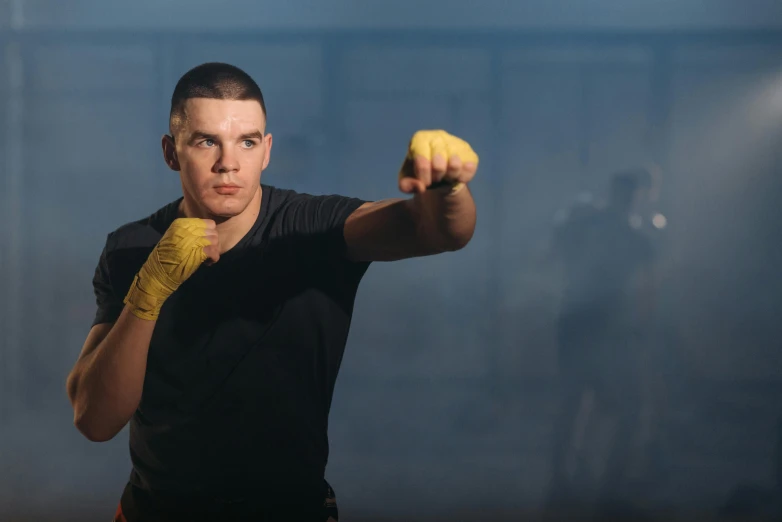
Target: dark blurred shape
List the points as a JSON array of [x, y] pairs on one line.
[[605, 315], [750, 501], [778, 470]]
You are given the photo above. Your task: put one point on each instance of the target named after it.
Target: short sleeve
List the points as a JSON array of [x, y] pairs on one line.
[[110, 305], [323, 217]]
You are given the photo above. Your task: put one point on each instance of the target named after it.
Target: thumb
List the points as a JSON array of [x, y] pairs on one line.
[[411, 186]]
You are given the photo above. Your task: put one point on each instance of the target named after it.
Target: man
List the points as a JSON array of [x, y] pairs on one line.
[[222, 317], [607, 303]]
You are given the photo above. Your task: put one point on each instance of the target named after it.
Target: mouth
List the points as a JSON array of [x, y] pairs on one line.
[[227, 190]]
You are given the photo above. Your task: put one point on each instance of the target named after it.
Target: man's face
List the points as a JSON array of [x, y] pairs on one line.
[[220, 150]]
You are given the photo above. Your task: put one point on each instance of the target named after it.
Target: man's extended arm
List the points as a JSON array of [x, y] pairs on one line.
[[427, 224], [441, 215]]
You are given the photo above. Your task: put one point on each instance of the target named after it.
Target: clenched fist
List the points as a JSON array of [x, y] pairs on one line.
[[435, 159], [187, 243]]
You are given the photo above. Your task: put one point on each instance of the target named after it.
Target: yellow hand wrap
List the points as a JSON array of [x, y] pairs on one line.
[[428, 143], [176, 257]]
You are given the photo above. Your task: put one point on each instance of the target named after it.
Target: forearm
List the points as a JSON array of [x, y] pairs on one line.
[[105, 386], [444, 221], [424, 225]]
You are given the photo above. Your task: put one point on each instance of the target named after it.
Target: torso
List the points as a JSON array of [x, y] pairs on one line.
[[244, 356]]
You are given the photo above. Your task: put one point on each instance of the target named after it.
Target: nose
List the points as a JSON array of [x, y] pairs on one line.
[[227, 162]]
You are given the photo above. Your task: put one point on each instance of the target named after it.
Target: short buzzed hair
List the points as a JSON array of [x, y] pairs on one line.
[[219, 81]]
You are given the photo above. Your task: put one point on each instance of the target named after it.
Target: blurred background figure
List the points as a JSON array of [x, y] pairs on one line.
[[446, 407], [605, 319]]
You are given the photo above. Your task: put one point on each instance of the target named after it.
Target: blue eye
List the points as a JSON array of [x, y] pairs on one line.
[[249, 144]]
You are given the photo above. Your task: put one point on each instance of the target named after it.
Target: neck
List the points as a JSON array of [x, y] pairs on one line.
[[231, 229]]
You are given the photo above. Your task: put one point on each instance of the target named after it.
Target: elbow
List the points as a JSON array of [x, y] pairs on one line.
[[457, 234], [96, 419], [81, 420], [92, 430], [92, 425], [96, 437], [458, 241]]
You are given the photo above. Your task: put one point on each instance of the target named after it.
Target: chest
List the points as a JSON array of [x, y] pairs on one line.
[[246, 327]]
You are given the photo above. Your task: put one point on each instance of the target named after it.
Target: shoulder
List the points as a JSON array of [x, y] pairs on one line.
[[281, 200], [287, 198], [143, 232], [291, 209]]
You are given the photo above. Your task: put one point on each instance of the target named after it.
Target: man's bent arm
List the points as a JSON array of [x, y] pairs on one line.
[[105, 384], [429, 223]]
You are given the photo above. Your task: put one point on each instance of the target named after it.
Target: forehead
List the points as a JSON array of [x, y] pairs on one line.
[[213, 115]]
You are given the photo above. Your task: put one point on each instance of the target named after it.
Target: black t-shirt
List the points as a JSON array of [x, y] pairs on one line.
[[245, 354]]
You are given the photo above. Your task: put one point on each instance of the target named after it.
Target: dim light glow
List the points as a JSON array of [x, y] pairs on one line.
[[659, 221]]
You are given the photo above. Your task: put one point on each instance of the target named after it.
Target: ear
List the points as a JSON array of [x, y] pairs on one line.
[[169, 152], [268, 139]]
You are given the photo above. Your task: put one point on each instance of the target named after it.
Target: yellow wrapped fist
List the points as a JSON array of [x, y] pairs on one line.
[[436, 159], [187, 243]]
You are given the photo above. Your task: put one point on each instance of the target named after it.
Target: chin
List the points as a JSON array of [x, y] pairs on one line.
[[227, 208]]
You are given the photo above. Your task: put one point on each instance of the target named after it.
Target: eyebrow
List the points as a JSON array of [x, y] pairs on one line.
[[197, 134], [250, 135], [201, 135]]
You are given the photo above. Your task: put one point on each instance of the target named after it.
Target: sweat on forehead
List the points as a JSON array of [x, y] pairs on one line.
[[218, 115]]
